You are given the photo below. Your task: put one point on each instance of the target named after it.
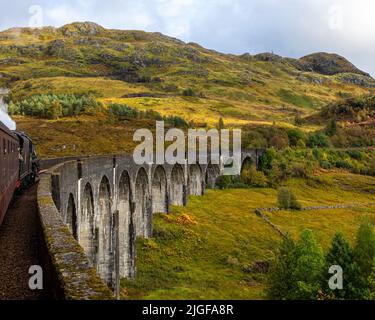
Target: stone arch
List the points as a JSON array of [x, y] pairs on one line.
[[195, 180], [87, 234], [126, 247], [159, 191], [142, 217], [71, 216], [177, 186], [212, 173], [104, 223]]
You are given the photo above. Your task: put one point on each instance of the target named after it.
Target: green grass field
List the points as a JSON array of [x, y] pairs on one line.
[[206, 250]]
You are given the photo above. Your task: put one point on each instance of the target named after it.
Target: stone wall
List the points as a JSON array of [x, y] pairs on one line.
[[68, 268]]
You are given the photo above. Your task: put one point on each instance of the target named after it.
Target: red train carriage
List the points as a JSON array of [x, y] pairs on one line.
[[9, 167]]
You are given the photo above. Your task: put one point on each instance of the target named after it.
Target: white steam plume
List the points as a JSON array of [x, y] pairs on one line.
[[4, 116]]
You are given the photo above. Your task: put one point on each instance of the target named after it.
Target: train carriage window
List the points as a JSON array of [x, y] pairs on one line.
[[4, 147]]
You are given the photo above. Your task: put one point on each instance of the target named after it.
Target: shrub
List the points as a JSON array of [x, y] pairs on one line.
[[54, 110], [287, 199], [372, 167], [299, 170], [188, 92], [226, 182], [222, 182], [176, 121], [343, 164], [294, 136], [331, 128], [317, 139], [122, 110], [254, 178], [325, 164], [266, 159], [355, 154], [298, 120], [279, 142]]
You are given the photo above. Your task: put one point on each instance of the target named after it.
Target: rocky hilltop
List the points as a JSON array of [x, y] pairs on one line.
[[151, 68]]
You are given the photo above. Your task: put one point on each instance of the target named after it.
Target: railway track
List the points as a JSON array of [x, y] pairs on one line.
[[19, 246]]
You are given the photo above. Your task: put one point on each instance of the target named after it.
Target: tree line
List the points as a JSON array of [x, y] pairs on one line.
[[301, 270]]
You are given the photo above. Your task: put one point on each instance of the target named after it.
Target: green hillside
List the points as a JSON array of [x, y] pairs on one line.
[[217, 248], [151, 70]]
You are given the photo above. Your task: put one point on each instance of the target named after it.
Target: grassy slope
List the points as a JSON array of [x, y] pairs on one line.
[[117, 66], [200, 251], [81, 135], [70, 59]]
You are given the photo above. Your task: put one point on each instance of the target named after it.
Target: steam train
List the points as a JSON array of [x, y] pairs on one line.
[[19, 165]]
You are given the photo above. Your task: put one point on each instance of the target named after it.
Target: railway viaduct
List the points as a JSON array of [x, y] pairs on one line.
[[108, 201]]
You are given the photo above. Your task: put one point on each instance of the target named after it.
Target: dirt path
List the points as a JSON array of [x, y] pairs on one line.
[[19, 243]]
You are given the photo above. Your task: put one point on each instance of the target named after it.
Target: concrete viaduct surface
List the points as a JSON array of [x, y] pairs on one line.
[[108, 201]]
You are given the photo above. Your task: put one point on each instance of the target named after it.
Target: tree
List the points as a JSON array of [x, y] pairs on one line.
[[188, 92], [287, 199], [221, 123], [364, 251], [280, 282], [279, 142], [266, 159], [254, 178], [371, 282], [331, 128], [308, 269], [53, 110], [294, 136], [372, 166], [342, 255], [318, 139]]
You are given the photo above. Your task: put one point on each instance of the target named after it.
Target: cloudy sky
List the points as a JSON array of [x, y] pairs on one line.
[[290, 28]]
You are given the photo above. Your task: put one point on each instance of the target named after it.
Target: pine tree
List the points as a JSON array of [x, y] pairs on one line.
[[371, 282], [364, 251], [308, 269], [280, 282], [342, 255]]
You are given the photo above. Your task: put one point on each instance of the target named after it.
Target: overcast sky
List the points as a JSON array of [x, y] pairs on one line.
[[290, 28]]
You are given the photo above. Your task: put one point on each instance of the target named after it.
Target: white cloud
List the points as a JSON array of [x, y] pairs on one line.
[[63, 14], [288, 27]]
